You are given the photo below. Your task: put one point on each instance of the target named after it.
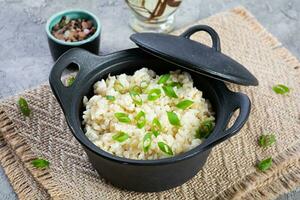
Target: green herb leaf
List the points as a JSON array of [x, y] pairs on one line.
[[280, 89], [23, 105], [122, 117], [147, 142], [205, 129], [40, 163], [169, 91], [265, 164], [156, 127], [70, 81], [184, 104], [137, 99], [165, 148], [119, 87], [154, 94], [140, 119], [110, 98], [175, 84], [173, 119], [120, 136], [266, 140], [163, 78]]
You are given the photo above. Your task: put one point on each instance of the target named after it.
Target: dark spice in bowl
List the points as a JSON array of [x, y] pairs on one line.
[[73, 30]]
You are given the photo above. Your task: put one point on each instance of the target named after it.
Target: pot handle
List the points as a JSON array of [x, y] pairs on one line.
[[213, 34], [85, 60], [235, 101]]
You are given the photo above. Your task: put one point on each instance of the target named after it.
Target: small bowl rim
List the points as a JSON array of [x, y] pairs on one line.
[[54, 16]]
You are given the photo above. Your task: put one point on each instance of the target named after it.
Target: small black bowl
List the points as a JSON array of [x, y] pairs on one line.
[[58, 47]]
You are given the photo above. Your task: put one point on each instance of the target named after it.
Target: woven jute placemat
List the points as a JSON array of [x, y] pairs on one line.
[[230, 171]]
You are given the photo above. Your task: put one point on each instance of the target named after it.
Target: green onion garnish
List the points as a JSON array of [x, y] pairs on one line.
[[122, 117], [173, 119], [184, 104], [163, 78], [147, 140], [175, 84], [144, 84], [205, 129], [280, 89], [40, 163], [137, 100], [154, 94], [120, 136], [165, 148], [119, 87], [169, 91], [266, 140], [110, 98], [156, 127], [136, 89], [70, 81], [140, 119], [23, 105], [265, 164]]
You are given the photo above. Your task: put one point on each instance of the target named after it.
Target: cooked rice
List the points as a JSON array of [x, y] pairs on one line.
[[101, 124]]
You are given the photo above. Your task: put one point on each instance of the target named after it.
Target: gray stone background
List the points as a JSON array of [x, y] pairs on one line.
[[25, 59]]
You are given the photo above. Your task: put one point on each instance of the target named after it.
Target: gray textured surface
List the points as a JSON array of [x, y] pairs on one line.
[[25, 59]]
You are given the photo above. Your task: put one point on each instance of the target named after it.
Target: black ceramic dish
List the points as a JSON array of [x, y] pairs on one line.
[[58, 47], [142, 175]]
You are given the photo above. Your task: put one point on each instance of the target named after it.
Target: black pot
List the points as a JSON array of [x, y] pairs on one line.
[[142, 175]]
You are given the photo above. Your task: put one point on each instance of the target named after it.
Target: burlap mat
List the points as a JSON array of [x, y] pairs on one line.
[[230, 171]]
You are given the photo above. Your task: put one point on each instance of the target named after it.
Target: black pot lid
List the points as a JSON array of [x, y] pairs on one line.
[[194, 56]]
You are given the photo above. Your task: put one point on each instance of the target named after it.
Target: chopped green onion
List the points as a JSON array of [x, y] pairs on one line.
[[165, 148], [163, 78], [266, 140], [23, 105], [154, 94], [265, 164], [122, 117], [140, 119], [156, 127], [120, 136], [110, 98], [144, 84], [136, 89], [205, 129], [169, 91], [147, 142], [173, 118], [137, 99], [280, 89], [184, 104], [40, 163], [119, 87], [175, 84], [70, 81]]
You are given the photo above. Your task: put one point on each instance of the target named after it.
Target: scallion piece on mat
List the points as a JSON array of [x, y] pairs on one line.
[[122, 117], [265, 164], [156, 127], [184, 104], [40, 163], [173, 119], [280, 89], [165, 148], [70, 81], [147, 140], [140, 119], [154, 94], [120, 136], [266, 140], [110, 98], [163, 78], [23, 105], [169, 91], [205, 129]]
